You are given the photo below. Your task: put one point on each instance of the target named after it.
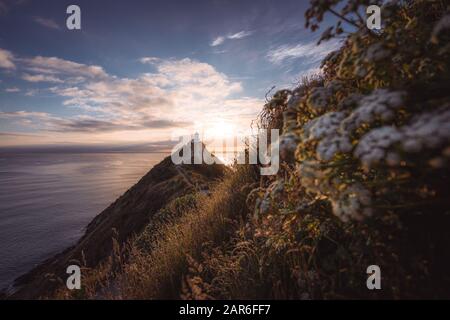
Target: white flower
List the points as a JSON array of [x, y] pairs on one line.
[[319, 97], [353, 203], [328, 147], [372, 146], [322, 126], [325, 129], [381, 104], [429, 130]]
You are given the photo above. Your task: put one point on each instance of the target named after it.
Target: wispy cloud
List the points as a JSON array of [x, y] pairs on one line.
[[31, 92], [41, 78], [234, 36], [217, 41], [12, 90], [84, 124], [48, 23], [97, 125], [310, 52], [239, 35], [6, 59], [150, 60], [14, 134], [53, 65]]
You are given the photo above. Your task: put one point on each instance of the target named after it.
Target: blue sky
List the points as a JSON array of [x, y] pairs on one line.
[[145, 70]]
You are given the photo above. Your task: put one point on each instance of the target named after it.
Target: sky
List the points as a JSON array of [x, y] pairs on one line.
[[145, 72]]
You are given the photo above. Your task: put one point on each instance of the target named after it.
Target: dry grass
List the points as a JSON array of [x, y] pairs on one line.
[[133, 272], [159, 274]]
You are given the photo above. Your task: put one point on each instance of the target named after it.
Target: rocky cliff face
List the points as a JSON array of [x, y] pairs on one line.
[[127, 216]]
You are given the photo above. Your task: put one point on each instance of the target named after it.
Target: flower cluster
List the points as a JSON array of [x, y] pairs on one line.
[[377, 115], [320, 98], [333, 129], [323, 126], [426, 131], [380, 104], [373, 146], [353, 203]]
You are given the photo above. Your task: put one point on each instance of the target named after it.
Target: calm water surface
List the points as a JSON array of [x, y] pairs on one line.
[[46, 201]]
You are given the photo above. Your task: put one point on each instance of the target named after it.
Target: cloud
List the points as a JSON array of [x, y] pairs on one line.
[[179, 93], [22, 114], [163, 146], [48, 23], [14, 134], [6, 59], [96, 125], [238, 35], [41, 78], [310, 52], [84, 124], [149, 60], [178, 86], [31, 92], [217, 41], [197, 77], [53, 65], [13, 89]]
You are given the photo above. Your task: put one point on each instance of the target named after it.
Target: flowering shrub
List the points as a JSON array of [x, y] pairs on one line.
[[366, 150], [355, 126]]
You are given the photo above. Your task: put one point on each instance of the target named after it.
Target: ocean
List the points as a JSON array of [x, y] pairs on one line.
[[47, 200]]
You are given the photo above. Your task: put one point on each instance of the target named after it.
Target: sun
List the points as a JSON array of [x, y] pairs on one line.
[[220, 130]]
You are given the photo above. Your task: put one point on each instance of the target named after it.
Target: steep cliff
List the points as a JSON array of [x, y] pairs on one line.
[[127, 216]]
